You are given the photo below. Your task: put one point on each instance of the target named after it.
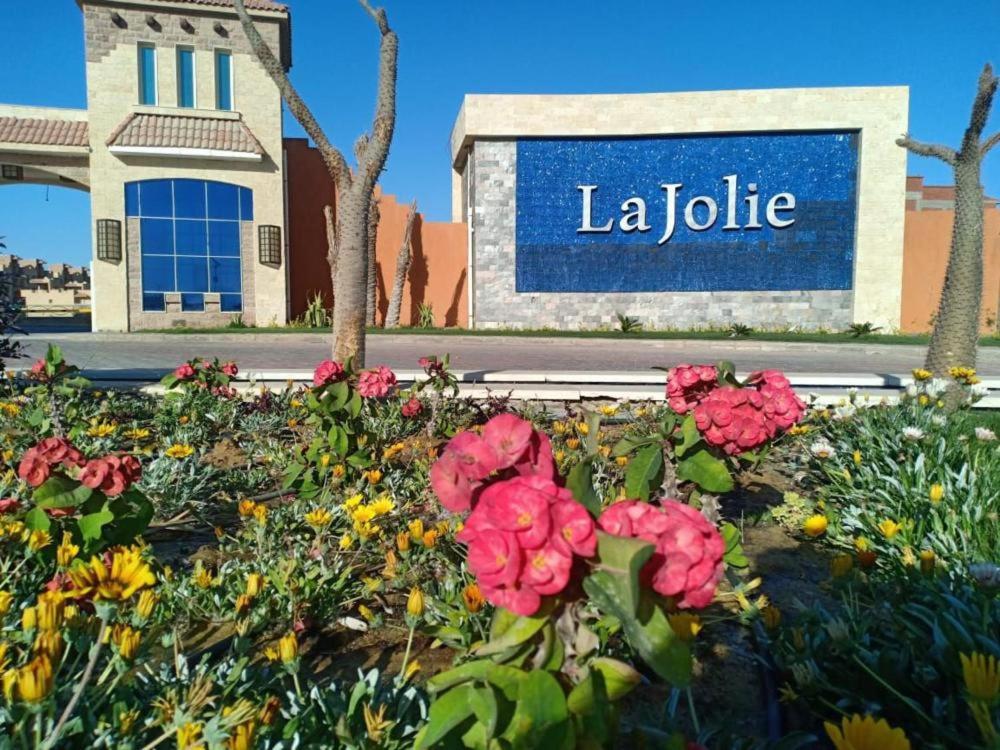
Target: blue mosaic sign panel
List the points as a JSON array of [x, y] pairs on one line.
[[759, 212]]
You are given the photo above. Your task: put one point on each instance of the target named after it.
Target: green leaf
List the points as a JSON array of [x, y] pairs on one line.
[[37, 519], [450, 711], [92, 524], [647, 629], [628, 444], [689, 436], [645, 472], [733, 555], [541, 718], [168, 381], [580, 482], [727, 373], [338, 441], [619, 678], [620, 559], [61, 492], [705, 470], [506, 679], [515, 633], [354, 405]]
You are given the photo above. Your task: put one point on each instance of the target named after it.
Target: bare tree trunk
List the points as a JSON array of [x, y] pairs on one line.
[[371, 299], [331, 241], [354, 187], [956, 326], [402, 268]]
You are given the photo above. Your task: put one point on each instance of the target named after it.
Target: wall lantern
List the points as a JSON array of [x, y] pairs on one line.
[[117, 20], [109, 240], [270, 245], [152, 23], [187, 26], [12, 172], [220, 29]]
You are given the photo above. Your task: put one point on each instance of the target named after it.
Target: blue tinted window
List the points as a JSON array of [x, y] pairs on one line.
[[189, 199], [156, 198], [193, 302], [223, 201], [185, 77], [147, 74], [153, 302], [191, 237], [192, 274], [157, 236], [190, 240], [224, 238], [158, 273], [225, 274], [131, 198], [246, 204], [223, 80]]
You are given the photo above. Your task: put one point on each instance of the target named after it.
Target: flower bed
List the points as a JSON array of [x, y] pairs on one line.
[[210, 569]]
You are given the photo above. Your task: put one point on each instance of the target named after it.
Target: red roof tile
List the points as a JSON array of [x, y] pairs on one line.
[[42, 132], [183, 131]]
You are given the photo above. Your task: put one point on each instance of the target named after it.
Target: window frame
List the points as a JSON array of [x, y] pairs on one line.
[[181, 49], [227, 53], [234, 260], [141, 47]]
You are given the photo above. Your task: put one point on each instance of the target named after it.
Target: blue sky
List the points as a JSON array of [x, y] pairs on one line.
[[453, 47]]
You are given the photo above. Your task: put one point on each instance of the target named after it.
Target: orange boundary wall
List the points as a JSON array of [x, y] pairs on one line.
[[437, 274], [927, 240]]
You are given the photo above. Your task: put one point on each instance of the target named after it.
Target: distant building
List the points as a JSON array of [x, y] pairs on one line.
[[921, 197]]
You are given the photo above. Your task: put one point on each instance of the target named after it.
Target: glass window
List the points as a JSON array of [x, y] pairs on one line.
[[190, 237], [189, 199], [193, 302], [157, 236], [223, 201], [192, 274], [132, 199], [185, 77], [246, 204], [225, 274], [147, 74], [190, 240], [153, 301], [223, 80], [224, 238], [158, 273], [156, 198]]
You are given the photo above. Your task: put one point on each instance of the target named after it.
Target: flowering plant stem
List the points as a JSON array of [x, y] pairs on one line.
[[406, 654], [88, 672]]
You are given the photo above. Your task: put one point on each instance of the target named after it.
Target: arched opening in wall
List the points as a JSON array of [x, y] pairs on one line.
[[45, 222]]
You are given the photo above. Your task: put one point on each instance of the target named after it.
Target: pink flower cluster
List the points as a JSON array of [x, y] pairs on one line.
[[206, 369], [524, 530], [327, 372], [734, 419], [111, 474], [377, 382], [39, 460], [508, 444], [412, 407], [522, 538], [687, 563], [687, 385]]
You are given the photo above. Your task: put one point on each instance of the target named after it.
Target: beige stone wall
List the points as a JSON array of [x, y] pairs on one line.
[[113, 93], [879, 113]]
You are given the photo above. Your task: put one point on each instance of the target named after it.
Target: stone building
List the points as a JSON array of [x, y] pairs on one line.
[[181, 149]]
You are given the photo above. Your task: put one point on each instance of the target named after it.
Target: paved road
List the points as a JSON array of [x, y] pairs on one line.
[[158, 352]]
